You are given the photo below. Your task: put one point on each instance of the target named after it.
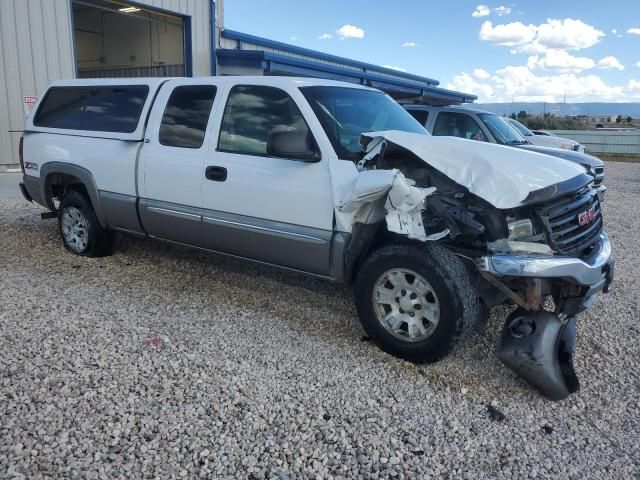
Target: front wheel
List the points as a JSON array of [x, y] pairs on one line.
[[416, 302], [79, 228]]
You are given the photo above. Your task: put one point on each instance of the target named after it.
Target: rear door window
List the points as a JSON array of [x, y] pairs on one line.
[[185, 118], [420, 115], [102, 109]]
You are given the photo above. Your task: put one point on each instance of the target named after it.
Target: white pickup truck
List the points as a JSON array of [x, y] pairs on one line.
[[338, 181]]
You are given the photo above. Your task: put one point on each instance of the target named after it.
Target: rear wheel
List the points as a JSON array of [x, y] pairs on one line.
[[416, 302], [79, 227]]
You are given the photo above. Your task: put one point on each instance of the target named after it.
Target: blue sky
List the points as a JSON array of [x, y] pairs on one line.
[[527, 50]]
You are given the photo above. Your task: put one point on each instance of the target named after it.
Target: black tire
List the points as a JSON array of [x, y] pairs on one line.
[[458, 300], [99, 242]]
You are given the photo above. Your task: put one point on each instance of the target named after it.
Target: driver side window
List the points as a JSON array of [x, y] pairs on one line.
[[252, 113], [454, 124]]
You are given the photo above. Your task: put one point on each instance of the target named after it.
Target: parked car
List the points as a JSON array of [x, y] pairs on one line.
[[544, 133], [337, 181], [474, 124], [545, 139]]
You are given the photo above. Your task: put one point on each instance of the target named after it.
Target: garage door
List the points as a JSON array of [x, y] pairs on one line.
[[119, 39]]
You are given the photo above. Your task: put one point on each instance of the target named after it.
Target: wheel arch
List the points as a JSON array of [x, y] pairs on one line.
[[56, 174], [366, 238]]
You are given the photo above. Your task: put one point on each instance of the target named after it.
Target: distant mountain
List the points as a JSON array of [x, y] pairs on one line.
[[562, 109]]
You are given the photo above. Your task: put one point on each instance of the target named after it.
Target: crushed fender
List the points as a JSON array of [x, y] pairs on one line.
[[403, 205]]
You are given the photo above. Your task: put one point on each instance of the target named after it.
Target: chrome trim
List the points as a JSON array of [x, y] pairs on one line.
[[175, 213], [257, 228], [585, 272]]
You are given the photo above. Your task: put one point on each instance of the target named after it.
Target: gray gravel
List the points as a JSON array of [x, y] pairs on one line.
[[260, 373]]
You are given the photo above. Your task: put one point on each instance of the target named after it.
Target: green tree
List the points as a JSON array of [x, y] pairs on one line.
[[629, 119], [619, 119], [513, 116], [522, 115]]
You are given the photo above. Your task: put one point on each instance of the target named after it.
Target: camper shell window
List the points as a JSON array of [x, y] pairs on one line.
[[96, 108]]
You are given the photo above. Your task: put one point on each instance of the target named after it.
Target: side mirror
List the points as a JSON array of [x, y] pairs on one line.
[[292, 145]]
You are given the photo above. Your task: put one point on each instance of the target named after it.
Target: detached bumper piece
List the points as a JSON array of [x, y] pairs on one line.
[[539, 347]]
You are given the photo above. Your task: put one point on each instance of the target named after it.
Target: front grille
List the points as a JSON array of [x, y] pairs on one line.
[[563, 230], [599, 176]]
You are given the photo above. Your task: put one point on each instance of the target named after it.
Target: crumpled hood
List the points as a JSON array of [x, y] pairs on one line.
[[501, 175]]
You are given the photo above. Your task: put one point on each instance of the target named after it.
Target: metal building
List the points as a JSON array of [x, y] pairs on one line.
[[47, 40]]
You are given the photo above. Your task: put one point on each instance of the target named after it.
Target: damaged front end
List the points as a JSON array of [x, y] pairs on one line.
[[532, 232]]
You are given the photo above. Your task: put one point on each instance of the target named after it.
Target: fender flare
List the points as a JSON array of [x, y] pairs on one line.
[[82, 174]]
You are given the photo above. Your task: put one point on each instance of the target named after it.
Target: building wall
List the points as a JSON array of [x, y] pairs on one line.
[[36, 48]]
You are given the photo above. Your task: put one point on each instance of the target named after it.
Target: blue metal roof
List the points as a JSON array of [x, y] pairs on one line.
[[284, 59]]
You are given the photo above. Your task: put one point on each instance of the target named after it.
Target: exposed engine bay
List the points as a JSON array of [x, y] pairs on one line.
[[482, 209]]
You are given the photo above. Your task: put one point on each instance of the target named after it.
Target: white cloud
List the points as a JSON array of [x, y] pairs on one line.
[[638, 64], [567, 34], [484, 11], [293, 38], [465, 83], [481, 74], [521, 84], [410, 44], [393, 67], [560, 61], [350, 31], [325, 36], [510, 34], [502, 11], [481, 11], [634, 31], [633, 88], [610, 63], [614, 31]]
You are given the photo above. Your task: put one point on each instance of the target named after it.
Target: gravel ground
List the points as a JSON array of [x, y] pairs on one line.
[[261, 373]]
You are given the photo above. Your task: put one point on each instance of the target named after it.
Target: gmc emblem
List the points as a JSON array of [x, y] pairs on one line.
[[587, 216]]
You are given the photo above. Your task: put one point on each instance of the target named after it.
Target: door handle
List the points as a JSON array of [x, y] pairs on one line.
[[217, 174]]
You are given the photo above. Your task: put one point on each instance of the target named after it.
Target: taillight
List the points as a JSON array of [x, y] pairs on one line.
[[20, 154]]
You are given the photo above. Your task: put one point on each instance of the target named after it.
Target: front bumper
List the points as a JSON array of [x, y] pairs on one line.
[[592, 271]]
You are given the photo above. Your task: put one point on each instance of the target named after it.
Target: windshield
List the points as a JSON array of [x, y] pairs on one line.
[[501, 130], [521, 128], [346, 113]]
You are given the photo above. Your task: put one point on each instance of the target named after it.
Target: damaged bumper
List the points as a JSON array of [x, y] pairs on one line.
[[595, 272], [536, 344]]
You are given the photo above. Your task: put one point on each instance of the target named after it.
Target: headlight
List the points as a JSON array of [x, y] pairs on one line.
[[520, 229], [566, 146]]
